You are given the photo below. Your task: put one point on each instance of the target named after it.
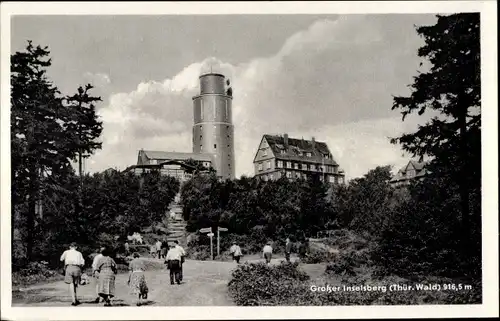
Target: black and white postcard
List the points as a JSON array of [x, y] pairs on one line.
[[187, 160]]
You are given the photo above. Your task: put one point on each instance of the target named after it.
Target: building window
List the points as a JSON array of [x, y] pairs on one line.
[[271, 176], [282, 151], [153, 162], [308, 154], [296, 166], [288, 164], [264, 152], [288, 174], [268, 165], [260, 166], [304, 166], [280, 164], [298, 175]]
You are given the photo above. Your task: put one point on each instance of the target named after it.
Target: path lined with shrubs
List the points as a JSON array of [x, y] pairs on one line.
[[205, 284]]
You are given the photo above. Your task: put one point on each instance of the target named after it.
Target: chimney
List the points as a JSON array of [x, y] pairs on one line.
[[285, 137], [313, 142]]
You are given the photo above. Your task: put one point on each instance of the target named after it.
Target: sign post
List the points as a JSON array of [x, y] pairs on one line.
[[210, 235], [219, 229]]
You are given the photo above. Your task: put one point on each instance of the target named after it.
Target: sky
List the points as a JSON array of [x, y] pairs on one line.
[[331, 77]]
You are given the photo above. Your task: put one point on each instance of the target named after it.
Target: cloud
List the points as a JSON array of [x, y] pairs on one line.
[[333, 81], [98, 80]]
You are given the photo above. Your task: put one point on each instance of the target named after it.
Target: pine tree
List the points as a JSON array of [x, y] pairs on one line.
[[43, 135], [452, 88], [84, 123]]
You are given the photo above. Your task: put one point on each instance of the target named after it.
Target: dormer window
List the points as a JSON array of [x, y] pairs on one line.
[[308, 154]]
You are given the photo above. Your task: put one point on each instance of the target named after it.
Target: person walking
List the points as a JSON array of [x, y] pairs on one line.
[[173, 261], [152, 250], [73, 264], [127, 249], [288, 249], [107, 270], [302, 250], [235, 251], [183, 258], [158, 248], [95, 273], [137, 280], [164, 249], [268, 252]]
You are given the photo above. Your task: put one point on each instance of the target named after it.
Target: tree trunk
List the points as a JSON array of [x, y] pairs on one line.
[[30, 219], [464, 181], [80, 165]]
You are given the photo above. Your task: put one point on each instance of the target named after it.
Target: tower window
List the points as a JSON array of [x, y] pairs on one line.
[[227, 113], [201, 147], [201, 127], [201, 109], [215, 146]]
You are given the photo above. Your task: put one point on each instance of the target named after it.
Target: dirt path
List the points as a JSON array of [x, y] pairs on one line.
[[205, 284]]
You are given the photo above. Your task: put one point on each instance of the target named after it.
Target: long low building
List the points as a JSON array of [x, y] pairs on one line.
[[281, 156], [178, 165]]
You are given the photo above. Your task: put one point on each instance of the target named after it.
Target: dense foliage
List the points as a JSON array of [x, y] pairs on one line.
[[114, 205], [249, 206], [260, 284], [51, 206], [440, 225], [451, 88], [48, 131], [287, 284]]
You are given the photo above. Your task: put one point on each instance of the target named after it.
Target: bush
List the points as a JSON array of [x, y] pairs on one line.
[[35, 272], [261, 284], [344, 263], [319, 257]]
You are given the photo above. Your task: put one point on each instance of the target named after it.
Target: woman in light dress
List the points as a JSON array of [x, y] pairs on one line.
[[137, 280], [107, 270]]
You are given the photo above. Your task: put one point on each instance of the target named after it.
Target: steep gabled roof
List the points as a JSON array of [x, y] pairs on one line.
[[297, 148], [419, 170]]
